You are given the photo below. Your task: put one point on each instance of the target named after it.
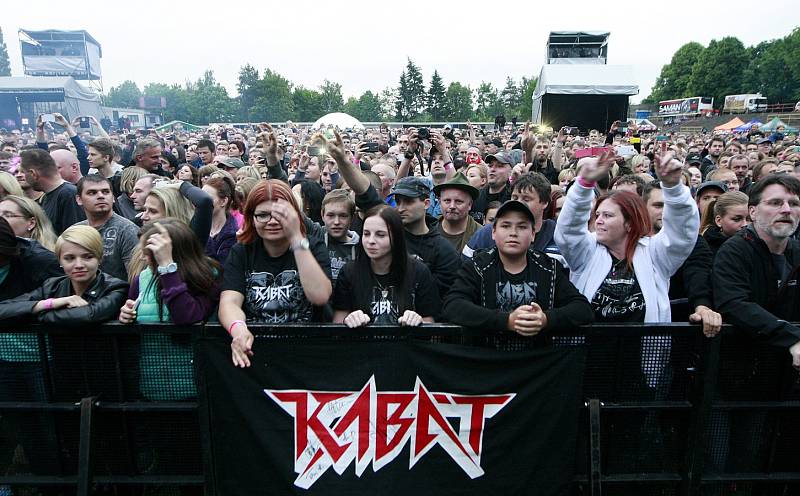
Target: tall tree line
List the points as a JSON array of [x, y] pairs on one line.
[[727, 67], [268, 96]]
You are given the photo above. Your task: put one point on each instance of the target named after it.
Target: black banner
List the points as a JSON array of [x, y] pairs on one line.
[[326, 416]]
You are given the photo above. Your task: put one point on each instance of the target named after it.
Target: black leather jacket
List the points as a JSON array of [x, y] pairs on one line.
[[105, 297]]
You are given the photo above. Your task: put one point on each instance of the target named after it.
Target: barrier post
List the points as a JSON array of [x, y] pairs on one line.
[[85, 446], [595, 467]]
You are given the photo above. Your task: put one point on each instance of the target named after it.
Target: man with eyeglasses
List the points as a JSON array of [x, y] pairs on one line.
[[756, 271]]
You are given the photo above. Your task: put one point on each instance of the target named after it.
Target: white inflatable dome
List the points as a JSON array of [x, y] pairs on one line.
[[338, 120]]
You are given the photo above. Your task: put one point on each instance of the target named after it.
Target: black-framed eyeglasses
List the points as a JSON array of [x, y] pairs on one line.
[[263, 217]]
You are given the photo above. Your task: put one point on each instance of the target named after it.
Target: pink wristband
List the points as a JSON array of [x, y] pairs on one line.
[[230, 328], [48, 304], [586, 184]]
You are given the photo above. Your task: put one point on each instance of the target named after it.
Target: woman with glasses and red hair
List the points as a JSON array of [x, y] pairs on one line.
[[276, 274], [620, 268]]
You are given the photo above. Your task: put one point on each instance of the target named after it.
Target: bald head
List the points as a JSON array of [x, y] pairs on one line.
[[68, 165], [387, 174]]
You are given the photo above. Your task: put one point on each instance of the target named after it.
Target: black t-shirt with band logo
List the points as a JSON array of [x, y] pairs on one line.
[[619, 298]]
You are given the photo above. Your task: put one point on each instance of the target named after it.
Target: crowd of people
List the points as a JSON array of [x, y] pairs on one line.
[[504, 229]]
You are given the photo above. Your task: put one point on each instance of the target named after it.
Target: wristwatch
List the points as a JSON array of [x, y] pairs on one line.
[[301, 245], [408, 155], [169, 269]]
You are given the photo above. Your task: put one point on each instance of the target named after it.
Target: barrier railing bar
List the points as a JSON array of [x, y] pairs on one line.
[[206, 433], [85, 447], [776, 477], [135, 406], [595, 467], [171, 480], [643, 477], [655, 405], [702, 397], [36, 406], [756, 405], [38, 480]]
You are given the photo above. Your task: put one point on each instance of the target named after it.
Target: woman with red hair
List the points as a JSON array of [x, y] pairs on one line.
[[275, 274], [622, 270]]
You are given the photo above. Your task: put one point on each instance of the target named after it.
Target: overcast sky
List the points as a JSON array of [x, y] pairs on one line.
[[364, 45]]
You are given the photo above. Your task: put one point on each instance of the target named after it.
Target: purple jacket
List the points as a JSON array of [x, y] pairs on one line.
[[220, 245], [184, 307]]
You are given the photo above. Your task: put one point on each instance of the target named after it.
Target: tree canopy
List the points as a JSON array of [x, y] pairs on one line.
[[266, 95], [727, 67]]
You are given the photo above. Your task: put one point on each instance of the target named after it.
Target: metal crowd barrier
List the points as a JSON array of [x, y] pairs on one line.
[[667, 411]]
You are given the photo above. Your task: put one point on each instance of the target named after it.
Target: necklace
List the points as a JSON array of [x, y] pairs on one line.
[[615, 267], [384, 291]]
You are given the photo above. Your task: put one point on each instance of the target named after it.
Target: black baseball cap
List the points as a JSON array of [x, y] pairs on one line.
[[514, 206], [412, 187]]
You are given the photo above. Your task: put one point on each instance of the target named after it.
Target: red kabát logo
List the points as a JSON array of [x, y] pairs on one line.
[[333, 429]]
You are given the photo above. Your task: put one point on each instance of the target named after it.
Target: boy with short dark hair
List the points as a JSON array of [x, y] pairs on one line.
[[512, 288]]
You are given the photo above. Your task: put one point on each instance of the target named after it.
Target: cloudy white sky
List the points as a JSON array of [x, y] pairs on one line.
[[364, 45]]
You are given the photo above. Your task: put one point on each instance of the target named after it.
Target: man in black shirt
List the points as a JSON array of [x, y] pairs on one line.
[[755, 271], [58, 201]]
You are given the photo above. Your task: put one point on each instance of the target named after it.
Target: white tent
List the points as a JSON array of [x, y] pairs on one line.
[[73, 98], [586, 79], [338, 120]]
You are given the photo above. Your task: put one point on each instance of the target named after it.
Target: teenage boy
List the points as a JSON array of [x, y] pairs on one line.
[[337, 212], [512, 288]]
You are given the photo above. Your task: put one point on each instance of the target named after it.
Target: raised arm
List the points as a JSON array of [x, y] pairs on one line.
[[674, 243], [80, 146], [558, 150], [351, 174], [572, 234], [274, 169]]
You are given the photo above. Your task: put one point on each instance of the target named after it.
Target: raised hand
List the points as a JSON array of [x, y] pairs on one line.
[[669, 169], [160, 245], [596, 168], [335, 147]]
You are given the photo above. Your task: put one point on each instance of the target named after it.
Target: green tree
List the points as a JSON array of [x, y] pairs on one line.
[[719, 70], [209, 101], [246, 87], [791, 56], [768, 72], [307, 104], [415, 90], [510, 96], [527, 88], [365, 108], [402, 103], [125, 95], [487, 102], [332, 100], [437, 98], [5, 66], [673, 82], [459, 102], [177, 100], [273, 98], [388, 98], [772, 70]]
